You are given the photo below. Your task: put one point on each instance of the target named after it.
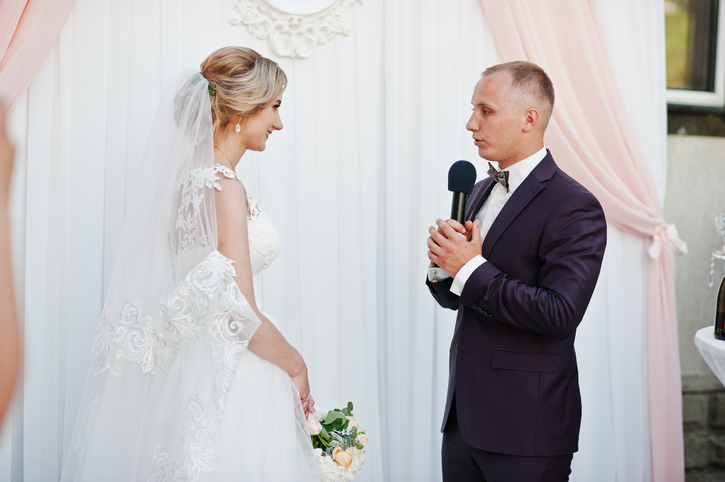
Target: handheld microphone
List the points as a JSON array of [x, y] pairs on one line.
[[461, 179]]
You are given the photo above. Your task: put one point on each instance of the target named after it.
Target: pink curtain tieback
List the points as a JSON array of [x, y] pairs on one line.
[[666, 234]]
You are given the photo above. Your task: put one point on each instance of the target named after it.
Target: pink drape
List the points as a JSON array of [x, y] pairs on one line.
[[590, 138], [28, 29]]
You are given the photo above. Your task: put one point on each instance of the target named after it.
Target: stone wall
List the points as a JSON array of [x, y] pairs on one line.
[[703, 419]]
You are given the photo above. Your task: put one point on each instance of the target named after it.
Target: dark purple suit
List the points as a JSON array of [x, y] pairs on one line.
[[513, 368]]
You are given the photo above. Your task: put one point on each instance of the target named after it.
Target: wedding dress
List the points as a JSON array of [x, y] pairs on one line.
[[173, 394]]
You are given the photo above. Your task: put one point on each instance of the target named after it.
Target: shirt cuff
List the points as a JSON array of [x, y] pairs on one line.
[[436, 274], [464, 273]]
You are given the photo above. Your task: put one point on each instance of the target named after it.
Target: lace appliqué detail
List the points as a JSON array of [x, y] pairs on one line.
[[210, 298], [193, 195], [88, 421], [206, 303], [195, 450], [226, 172], [254, 211], [131, 338], [227, 337]]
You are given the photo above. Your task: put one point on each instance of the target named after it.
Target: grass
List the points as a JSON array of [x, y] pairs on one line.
[[676, 39]]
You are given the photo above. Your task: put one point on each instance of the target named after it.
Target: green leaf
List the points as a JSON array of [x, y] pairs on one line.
[[324, 434], [349, 406], [331, 417]]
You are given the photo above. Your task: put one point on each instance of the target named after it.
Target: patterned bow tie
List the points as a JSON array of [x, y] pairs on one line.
[[501, 177]]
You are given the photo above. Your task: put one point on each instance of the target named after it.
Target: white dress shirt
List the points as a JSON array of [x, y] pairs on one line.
[[487, 215]]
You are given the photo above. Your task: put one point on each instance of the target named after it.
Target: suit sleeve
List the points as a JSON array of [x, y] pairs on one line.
[[571, 252], [441, 291]]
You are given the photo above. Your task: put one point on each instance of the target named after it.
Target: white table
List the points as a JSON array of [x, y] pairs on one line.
[[712, 351]]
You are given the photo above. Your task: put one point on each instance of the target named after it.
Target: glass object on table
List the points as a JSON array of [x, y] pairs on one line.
[[720, 253], [720, 312]]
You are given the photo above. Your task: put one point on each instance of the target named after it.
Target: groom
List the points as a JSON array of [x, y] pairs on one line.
[[520, 273]]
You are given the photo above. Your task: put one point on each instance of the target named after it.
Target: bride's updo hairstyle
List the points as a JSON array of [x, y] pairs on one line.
[[243, 83]]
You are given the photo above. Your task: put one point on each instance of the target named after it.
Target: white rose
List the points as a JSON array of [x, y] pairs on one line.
[[357, 459], [331, 472]]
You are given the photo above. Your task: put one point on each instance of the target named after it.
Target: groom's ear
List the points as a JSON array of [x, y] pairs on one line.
[[531, 120]]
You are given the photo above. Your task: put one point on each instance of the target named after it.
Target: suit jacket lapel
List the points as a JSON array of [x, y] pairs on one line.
[[534, 182], [479, 195]]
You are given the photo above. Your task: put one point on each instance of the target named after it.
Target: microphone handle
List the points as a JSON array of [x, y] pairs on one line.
[[458, 210]]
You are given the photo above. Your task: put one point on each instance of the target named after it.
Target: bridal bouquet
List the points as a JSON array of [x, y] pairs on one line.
[[338, 442]]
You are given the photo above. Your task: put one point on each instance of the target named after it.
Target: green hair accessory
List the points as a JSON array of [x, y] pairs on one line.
[[211, 90]]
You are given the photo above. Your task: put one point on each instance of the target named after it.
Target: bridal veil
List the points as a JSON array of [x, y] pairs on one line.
[[174, 325]]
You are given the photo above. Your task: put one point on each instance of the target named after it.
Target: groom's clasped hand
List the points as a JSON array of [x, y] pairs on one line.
[[451, 244]]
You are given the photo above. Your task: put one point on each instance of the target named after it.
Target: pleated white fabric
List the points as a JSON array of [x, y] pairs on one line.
[[372, 122]]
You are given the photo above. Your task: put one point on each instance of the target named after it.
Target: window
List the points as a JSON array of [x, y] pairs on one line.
[[695, 52]]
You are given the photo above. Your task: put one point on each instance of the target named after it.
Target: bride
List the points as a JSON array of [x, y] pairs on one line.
[[190, 381]]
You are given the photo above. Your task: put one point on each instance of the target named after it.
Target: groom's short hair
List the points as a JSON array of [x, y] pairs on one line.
[[530, 87]]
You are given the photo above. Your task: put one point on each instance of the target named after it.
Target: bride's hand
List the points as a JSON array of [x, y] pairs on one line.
[[308, 405], [303, 388]]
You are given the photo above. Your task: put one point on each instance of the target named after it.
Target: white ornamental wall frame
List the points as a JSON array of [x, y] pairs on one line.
[[294, 28]]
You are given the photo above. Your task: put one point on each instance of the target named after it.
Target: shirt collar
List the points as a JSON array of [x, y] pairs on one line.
[[521, 170]]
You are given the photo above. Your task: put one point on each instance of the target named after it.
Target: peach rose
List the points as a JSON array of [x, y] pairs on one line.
[[313, 424], [342, 458], [362, 439]]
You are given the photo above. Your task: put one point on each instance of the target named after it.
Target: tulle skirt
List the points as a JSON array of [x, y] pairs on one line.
[[181, 426]]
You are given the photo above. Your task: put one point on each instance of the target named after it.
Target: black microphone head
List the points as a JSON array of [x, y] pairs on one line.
[[462, 177]]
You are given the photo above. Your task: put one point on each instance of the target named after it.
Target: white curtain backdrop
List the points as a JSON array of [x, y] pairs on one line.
[[372, 123]]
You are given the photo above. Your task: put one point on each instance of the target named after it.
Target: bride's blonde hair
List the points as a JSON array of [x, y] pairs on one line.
[[243, 82]]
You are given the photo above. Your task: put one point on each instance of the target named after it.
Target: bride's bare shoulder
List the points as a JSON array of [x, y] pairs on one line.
[[230, 197]]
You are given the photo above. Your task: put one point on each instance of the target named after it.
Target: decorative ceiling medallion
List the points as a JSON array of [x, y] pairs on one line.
[[292, 30]]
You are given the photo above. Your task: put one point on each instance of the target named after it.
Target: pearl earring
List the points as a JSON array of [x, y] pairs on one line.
[[238, 128]]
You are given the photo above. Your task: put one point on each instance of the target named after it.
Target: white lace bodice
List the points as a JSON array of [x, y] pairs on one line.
[[264, 240]]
